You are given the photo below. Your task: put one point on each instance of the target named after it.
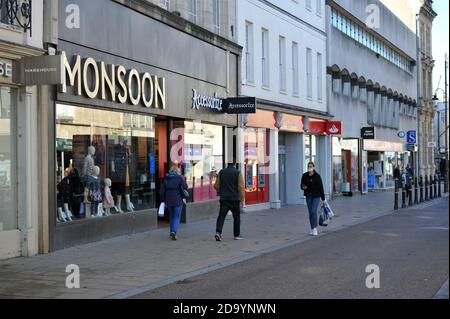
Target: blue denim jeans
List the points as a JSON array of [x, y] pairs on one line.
[[175, 216], [313, 206]]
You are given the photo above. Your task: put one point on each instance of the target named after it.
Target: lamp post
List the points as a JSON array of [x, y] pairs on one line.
[[446, 158]]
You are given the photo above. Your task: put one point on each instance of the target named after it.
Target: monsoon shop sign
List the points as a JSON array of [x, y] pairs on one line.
[[115, 83]]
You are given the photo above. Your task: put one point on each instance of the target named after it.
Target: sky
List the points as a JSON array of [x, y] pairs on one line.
[[440, 42]]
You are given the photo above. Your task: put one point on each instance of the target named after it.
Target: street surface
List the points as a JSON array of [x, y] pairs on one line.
[[410, 247]]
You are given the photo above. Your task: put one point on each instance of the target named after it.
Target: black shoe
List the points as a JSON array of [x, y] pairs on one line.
[[173, 236], [218, 237]]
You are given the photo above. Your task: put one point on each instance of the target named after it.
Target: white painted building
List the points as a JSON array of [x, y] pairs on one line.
[[20, 187], [284, 67]]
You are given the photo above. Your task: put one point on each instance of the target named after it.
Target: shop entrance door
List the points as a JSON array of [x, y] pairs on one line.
[[162, 165]]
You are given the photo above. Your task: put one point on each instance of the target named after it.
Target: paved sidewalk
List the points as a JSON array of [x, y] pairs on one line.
[[119, 267]]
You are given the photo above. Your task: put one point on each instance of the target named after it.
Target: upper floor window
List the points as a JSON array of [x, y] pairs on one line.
[[319, 77], [319, 7], [165, 4], [216, 15], [192, 11], [295, 71], [308, 4], [282, 62], [265, 58], [309, 73], [249, 53]]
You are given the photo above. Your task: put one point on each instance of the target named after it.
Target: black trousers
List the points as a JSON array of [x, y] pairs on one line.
[[235, 207]]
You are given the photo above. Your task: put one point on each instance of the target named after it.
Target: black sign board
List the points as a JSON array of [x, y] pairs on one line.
[[240, 105], [368, 133], [39, 70]]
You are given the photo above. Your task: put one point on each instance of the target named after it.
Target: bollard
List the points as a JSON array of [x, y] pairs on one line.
[[426, 188], [435, 186], [396, 195], [431, 188], [410, 200], [403, 195], [416, 192], [421, 188], [439, 186]]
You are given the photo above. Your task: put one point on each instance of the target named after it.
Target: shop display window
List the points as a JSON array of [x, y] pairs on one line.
[[105, 163], [198, 148], [311, 152], [8, 194], [256, 165]]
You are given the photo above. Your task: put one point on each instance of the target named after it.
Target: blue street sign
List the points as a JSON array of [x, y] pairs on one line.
[[411, 137]]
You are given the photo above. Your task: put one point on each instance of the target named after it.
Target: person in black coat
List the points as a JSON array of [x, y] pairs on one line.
[[313, 187]]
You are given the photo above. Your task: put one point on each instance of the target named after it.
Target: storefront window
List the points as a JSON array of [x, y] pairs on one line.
[[311, 152], [256, 168], [351, 163], [390, 162], [198, 147], [338, 178], [8, 207], [105, 162]]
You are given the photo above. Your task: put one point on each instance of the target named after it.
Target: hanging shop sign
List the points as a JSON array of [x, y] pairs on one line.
[[39, 70], [368, 133], [240, 105], [97, 80], [334, 128]]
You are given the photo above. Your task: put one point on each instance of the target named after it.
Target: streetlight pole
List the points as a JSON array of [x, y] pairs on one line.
[[446, 128]]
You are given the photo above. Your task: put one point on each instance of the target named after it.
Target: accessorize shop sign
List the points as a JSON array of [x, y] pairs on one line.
[[113, 82], [240, 105], [206, 102]]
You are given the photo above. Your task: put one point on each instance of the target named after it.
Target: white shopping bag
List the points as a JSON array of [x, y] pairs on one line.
[[161, 210], [328, 211]]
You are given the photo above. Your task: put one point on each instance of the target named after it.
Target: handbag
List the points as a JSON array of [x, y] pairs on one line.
[[184, 192]]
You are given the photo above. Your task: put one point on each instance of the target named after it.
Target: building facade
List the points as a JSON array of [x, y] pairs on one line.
[[284, 67], [427, 112], [217, 16], [138, 97], [20, 36], [372, 90]]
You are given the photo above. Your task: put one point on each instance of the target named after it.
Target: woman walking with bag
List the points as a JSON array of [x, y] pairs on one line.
[[313, 187], [173, 193]]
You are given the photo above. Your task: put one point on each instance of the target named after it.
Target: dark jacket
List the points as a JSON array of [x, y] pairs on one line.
[[170, 192], [230, 185], [314, 185]]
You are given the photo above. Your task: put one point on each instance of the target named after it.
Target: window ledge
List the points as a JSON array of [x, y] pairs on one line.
[[266, 88]]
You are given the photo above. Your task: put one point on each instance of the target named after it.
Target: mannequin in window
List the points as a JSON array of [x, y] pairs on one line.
[[108, 199], [63, 199], [95, 191], [88, 170], [120, 169]]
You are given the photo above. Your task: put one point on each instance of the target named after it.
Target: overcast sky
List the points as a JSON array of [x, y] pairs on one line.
[[440, 41]]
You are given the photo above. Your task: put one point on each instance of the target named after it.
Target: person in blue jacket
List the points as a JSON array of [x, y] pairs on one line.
[[171, 194]]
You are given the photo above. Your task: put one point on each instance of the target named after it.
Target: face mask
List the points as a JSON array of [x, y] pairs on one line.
[[311, 170]]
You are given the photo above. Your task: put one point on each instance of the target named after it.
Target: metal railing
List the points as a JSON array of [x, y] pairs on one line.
[[16, 13]]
